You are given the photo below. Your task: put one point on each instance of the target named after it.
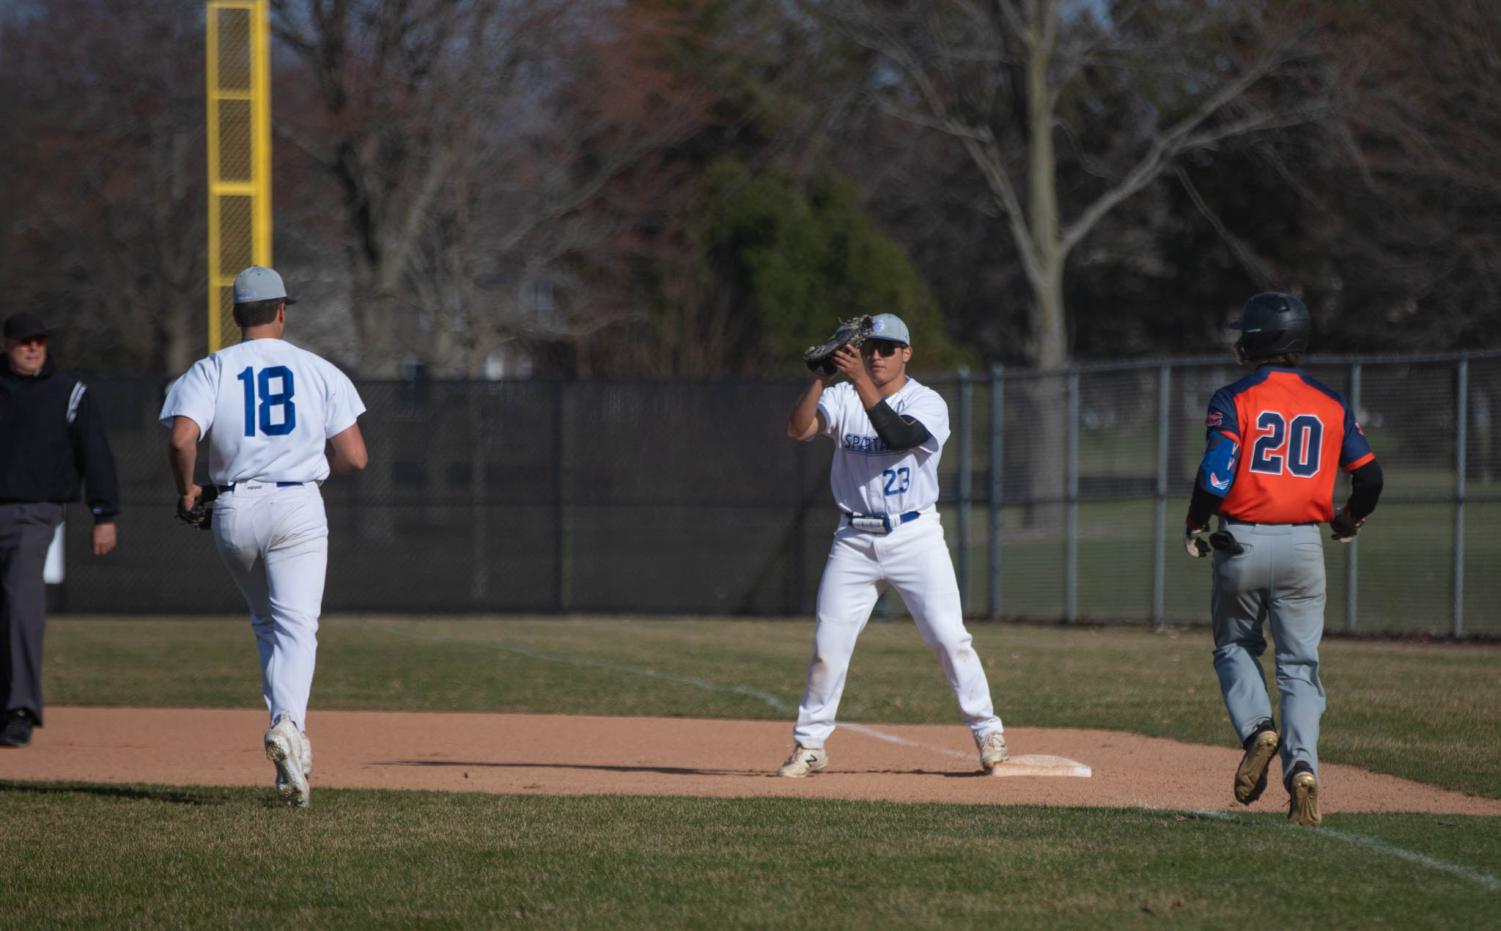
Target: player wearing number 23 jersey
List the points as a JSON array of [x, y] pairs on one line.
[[1277, 439], [269, 410], [888, 434]]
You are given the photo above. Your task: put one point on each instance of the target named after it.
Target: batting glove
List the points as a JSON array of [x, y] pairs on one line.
[[1345, 527], [1193, 545]]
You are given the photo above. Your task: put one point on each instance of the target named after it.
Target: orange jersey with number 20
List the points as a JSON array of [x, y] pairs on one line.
[[1277, 439]]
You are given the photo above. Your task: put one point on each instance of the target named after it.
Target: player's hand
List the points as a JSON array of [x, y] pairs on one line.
[[847, 360], [194, 508], [103, 539], [188, 501], [1344, 526], [1193, 544]]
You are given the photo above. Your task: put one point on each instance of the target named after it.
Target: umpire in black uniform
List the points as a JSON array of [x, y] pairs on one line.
[[51, 436]]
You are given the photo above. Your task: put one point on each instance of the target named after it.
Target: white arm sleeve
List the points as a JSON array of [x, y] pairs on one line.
[[194, 396], [344, 405], [830, 403]]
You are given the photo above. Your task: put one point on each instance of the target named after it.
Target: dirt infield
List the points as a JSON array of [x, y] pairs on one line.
[[565, 755]]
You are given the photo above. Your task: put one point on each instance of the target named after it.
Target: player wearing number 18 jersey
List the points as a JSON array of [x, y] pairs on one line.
[[1276, 441], [269, 409]]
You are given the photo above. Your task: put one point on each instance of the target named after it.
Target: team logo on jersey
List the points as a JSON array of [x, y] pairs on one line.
[[1219, 484], [856, 443], [1215, 419]]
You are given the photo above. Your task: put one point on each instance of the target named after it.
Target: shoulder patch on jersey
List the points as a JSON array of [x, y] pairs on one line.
[[1215, 419]]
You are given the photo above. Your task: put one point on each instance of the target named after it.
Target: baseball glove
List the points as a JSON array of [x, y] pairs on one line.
[[851, 332], [201, 514]]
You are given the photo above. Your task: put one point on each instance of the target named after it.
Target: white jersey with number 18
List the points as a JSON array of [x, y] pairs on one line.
[[268, 409]]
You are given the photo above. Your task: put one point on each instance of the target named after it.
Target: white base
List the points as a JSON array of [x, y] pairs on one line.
[[1042, 765]]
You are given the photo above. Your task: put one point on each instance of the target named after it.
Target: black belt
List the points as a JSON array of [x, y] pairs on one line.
[[231, 487]]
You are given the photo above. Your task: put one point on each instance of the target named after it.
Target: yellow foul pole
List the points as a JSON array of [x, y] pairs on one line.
[[238, 122]]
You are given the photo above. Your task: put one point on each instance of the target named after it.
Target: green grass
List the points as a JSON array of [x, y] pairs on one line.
[[1426, 712], [227, 858], [98, 856]]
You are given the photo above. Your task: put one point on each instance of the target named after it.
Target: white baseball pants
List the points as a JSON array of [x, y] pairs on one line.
[[275, 542], [914, 560]]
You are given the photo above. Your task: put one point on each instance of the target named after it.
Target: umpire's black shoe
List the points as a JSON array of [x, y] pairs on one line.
[[17, 730]]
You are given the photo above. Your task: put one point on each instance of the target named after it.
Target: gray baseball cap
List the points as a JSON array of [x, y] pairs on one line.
[[258, 283], [889, 327]]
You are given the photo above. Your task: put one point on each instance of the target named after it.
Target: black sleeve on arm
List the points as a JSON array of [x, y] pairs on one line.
[[899, 432], [97, 465], [1202, 506], [1365, 489]]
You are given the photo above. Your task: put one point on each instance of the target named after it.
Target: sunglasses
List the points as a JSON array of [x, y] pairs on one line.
[[879, 347], [30, 340]]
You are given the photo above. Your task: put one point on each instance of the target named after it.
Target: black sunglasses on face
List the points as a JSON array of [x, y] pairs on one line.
[[879, 347]]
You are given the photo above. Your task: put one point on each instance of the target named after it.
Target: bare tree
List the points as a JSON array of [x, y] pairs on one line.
[[466, 157], [1014, 81], [105, 196]]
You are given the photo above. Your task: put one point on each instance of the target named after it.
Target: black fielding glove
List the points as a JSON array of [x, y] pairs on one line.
[[851, 332]]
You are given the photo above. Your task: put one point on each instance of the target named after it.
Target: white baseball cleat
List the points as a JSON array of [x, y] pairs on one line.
[[284, 747], [804, 761], [282, 786], [993, 750]]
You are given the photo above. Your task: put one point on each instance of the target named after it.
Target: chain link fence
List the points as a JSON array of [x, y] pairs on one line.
[[1064, 495]]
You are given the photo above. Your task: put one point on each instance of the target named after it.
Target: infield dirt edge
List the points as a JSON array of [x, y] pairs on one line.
[[592, 755]]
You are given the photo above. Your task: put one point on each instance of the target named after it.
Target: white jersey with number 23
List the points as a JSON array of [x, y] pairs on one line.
[[268, 408], [866, 476]]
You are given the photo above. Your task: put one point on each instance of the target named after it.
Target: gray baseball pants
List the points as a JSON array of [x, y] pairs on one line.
[[25, 533], [1279, 578]]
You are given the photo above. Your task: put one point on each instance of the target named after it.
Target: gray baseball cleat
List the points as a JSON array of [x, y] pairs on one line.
[[993, 750], [1250, 775], [1303, 800], [804, 761], [284, 743]]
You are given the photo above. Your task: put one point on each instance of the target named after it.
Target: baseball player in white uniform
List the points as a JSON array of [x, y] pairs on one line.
[[269, 409], [888, 433]]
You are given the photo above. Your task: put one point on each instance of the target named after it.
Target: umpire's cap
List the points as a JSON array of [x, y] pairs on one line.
[[259, 283], [26, 326], [889, 327]]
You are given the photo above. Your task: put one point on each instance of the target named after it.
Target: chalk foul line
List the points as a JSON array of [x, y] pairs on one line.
[[1489, 883], [1031, 765]]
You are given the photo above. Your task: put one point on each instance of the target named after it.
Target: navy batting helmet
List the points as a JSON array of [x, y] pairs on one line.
[[1272, 324]]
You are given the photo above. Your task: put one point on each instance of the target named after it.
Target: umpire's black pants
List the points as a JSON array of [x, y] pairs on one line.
[[25, 533]]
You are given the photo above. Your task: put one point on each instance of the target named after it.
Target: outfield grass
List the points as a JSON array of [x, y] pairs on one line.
[[1405, 567], [229, 858], [1426, 712]]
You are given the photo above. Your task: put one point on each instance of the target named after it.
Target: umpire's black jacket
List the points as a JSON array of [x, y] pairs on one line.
[[51, 436]]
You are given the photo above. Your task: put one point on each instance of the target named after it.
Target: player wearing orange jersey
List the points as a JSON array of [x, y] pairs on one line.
[[1276, 441]]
